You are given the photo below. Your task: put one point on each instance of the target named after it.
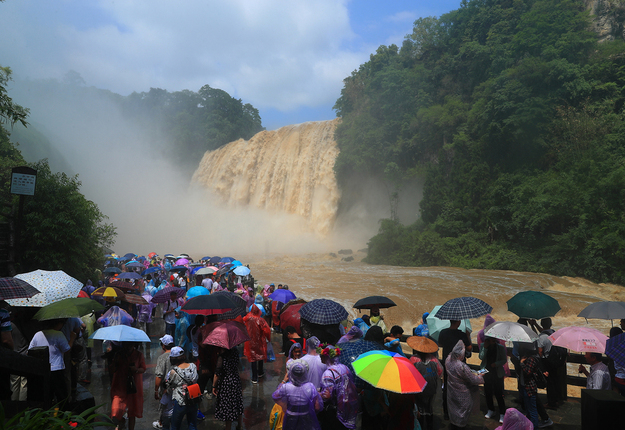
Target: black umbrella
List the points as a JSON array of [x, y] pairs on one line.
[[212, 304], [180, 269], [239, 310], [462, 308], [604, 311], [112, 270], [374, 302]]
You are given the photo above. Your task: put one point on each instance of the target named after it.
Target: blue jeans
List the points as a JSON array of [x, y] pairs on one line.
[[179, 412], [530, 406]]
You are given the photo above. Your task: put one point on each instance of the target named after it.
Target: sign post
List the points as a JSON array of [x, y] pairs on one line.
[[23, 182]]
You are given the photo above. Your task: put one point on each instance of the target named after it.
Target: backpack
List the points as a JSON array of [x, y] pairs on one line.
[[431, 377], [557, 356]]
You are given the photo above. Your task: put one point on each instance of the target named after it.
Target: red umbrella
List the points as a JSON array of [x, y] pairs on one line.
[[83, 294], [225, 334], [290, 316]]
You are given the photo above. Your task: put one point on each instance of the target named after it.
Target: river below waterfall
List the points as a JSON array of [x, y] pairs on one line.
[[418, 289]]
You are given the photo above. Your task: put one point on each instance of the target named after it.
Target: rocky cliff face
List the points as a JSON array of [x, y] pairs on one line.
[[609, 16]]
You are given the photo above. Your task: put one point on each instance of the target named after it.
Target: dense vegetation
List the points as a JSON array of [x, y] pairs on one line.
[[514, 114], [62, 230]]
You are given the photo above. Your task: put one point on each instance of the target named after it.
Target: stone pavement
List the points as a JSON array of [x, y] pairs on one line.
[[258, 402]]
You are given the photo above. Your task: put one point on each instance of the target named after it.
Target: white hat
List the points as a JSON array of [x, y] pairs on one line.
[[167, 339], [176, 351]]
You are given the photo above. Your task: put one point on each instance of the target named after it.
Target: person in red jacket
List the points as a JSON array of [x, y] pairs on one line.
[[255, 349]]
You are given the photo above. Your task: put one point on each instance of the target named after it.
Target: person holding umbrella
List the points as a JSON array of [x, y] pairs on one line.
[[448, 339], [493, 356]]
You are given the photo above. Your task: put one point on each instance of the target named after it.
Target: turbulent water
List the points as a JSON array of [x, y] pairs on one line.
[[418, 289], [289, 170]]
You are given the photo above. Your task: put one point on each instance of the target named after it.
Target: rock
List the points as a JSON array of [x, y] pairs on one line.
[[607, 18], [332, 254], [347, 259], [365, 250], [346, 251]]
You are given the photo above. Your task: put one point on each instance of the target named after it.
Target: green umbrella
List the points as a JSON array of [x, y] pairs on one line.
[[68, 308], [533, 305]]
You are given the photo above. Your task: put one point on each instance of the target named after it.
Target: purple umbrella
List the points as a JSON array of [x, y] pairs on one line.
[[615, 349], [164, 295], [283, 296], [182, 262]]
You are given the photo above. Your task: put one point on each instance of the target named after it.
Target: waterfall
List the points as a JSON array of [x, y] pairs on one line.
[[289, 170]]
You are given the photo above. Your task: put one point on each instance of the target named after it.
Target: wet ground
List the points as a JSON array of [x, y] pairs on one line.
[[258, 402]]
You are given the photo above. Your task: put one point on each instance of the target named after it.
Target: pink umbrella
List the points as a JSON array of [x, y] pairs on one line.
[[182, 262], [225, 334], [580, 339]]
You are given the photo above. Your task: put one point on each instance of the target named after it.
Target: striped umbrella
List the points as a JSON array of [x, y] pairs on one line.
[[15, 288], [389, 371], [615, 349]]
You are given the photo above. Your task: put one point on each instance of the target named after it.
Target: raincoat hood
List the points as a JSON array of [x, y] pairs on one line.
[[258, 299], [458, 352], [515, 420], [424, 317], [298, 372], [488, 321], [354, 333], [312, 343], [255, 311], [293, 347]]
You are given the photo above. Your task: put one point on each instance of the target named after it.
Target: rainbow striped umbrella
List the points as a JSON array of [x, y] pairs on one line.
[[389, 371]]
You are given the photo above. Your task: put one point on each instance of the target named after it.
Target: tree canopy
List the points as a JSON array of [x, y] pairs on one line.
[[513, 113]]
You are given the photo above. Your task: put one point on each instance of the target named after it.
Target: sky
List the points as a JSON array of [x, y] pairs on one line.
[[288, 58]]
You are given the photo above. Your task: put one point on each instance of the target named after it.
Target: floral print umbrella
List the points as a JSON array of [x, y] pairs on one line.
[[53, 286]]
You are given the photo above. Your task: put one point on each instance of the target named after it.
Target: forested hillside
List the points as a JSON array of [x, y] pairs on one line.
[[513, 113]]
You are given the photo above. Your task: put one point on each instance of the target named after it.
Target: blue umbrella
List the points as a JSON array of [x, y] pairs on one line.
[[243, 271], [130, 255], [236, 263], [141, 259], [226, 260], [129, 275], [462, 308], [284, 296], [120, 333], [197, 291], [179, 269], [134, 264], [150, 270], [323, 311], [615, 349], [352, 349], [205, 258], [214, 260], [123, 259], [112, 270]]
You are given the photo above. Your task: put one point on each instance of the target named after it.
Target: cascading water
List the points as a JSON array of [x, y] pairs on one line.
[[289, 170]]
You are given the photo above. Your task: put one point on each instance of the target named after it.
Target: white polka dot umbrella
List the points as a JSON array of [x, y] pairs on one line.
[[53, 286]]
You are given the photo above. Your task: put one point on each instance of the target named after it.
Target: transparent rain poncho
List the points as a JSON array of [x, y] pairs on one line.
[[299, 399]]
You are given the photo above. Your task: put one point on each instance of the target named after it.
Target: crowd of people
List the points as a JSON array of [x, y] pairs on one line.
[[318, 390]]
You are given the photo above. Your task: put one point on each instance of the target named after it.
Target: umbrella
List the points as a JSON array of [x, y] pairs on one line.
[[205, 258], [179, 269], [462, 308], [533, 305], [129, 275], [68, 308], [510, 331], [323, 311], [225, 334], [197, 291], [169, 256], [240, 308], [112, 270], [123, 285], [236, 263], [436, 325], [53, 286], [206, 271], [164, 295], [615, 349], [83, 293], [226, 260], [374, 302], [224, 269], [243, 271], [134, 264], [213, 304], [214, 260], [120, 333], [182, 262], [150, 270], [152, 255], [130, 255], [15, 288], [389, 371], [579, 339], [135, 299], [604, 311], [422, 344], [354, 348], [289, 316], [108, 292], [141, 259], [283, 296]]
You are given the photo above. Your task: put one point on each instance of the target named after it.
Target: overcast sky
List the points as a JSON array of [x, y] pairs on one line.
[[286, 57]]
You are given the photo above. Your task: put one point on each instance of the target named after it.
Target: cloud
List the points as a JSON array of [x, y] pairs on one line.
[[279, 54], [403, 16]]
